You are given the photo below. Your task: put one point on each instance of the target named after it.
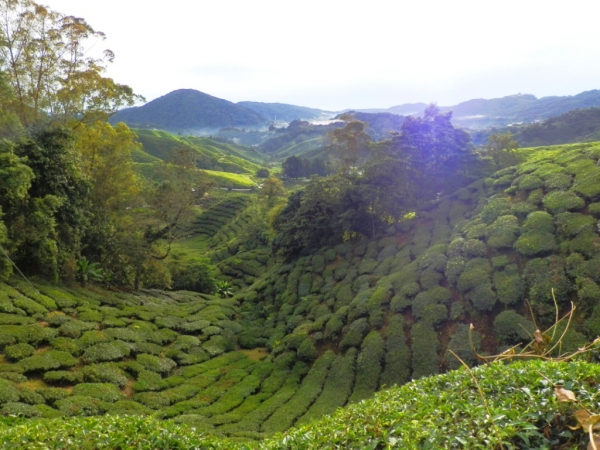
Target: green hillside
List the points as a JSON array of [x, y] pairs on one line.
[[187, 110], [211, 154], [304, 337]]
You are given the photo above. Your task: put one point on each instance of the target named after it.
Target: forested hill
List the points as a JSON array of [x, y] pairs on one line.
[[282, 112], [189, 110], [483, 113]]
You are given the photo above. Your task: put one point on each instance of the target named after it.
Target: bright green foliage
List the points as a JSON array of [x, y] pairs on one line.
[[535, 244], [572, 224], [544, 275], [561, 201]]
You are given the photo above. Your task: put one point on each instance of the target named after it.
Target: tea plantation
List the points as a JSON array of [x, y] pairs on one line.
[[304, 337]]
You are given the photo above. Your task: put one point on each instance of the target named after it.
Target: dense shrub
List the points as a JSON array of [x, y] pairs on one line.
[[503, 232], [509, 285], [460, 344], [572, 224], [304, 396], [78, 405], [544, 275], [53, 359], [495, 208], [397, 356], [104, 373], [561, 201], [539, 222], [18, 351], [337, 387], [512, 328], [368, 367], [424, 349], [354, 334], [63, 377], [436, 296], [477, 271], [482, 297], [109, 351], [106, 392], [535, 244]]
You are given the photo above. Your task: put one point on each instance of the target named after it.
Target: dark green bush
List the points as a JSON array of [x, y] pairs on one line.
[[535, 244], [18, 351], [425, 348], [337, 387], [544, 275], [149, 381], [397, 356], [529, 182], [594, 209], [106, 392], [503, 232], [65, 344], [512, 328], [355, 333], [509, 285], [435, 296], [93, 337], [368, 367], [477, 271], [53, 359], [8, 392], [109, 351], [63, 377], [19, 409], [482, 297], [307, 350], [104, 373], [572, 224], [586, 243], [78, 405], [51, 394], [496, 207], [460, 345], [74, 328]]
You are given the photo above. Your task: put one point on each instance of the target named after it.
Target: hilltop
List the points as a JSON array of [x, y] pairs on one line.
[[189, 110]]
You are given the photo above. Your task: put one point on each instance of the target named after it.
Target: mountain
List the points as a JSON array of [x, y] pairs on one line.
[[579, 125], [498, 112], [189, 110], [283, 112]]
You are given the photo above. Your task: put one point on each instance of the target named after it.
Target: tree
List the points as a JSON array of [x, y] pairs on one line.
[[271, 188], [43, 55], [349, 145], [293, 168], [501, 148], [47, 226], [438, 156]]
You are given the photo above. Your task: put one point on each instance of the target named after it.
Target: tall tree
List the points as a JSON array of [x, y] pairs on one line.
[[437, 155], [349, 146], [43, 54], [501, 148]]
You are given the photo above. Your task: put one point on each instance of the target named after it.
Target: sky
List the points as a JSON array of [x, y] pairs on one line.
[[334, 54]]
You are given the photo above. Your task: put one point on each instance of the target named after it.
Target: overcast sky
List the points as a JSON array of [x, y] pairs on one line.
[[337, 54]]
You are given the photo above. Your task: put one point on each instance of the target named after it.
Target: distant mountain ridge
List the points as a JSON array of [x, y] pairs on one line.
[[482, 113], [284, 112], [187, 110]]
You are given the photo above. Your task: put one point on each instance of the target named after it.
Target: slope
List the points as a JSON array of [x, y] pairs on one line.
[[187, 110]]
